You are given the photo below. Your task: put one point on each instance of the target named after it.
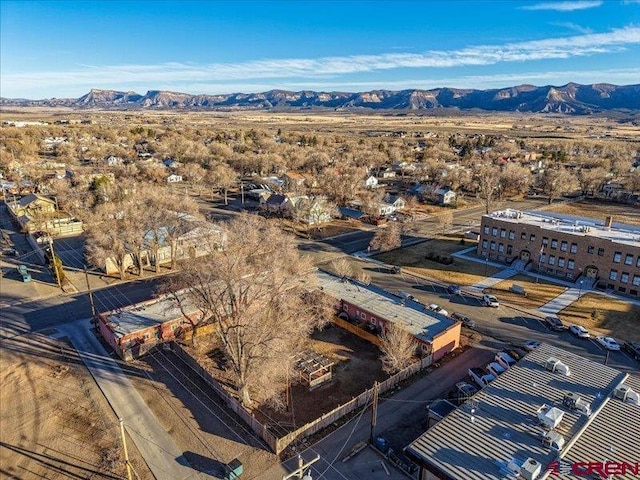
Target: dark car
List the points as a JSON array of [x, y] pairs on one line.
[[554, 323], [10, 252], [632, 348], [453, 290], [466, 321]]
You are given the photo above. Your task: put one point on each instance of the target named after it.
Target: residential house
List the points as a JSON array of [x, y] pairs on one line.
[[611, 189], [38, 213], [173, 178], [371, 182], [135, 330], [171, 163], [388, 173], [445, 196], [396, 201], [293, 180], [112, 161], [313, 210]]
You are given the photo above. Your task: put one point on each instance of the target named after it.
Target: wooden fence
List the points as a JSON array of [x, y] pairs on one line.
[[231, 402], [350, 327], [279, 444]]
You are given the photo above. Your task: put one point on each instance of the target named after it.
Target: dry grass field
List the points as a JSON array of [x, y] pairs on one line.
[[460, 272], [538, 293], [605, 315], [55, 422]]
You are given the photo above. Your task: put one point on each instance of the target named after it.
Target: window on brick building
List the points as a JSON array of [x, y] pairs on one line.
[[636, 280], [617, 256], [570, 265], [485, 244], [494, 231], [628, 259], [523, 236], [501, 248], [532, 237], [503, 233], [561, 262], [574, 248], [554, 243], [493, 245], [624, 278], [601, 252], [590, 249], [545, 241], [613, 275], [563, 246], [552, 260], [486, 230], [512, 235]]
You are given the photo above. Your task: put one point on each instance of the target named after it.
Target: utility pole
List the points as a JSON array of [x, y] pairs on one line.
[[242, 191], [374, 411], [299, 472], [53, 262], [126, 453], [93, 306]]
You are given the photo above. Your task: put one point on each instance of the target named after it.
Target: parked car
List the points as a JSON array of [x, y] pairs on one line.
[[632, 348], [480, 377], [466, 388], [405, 295], [10, 252], [579, 331], [438, 309], [554, 323], [530, 345], [490, 301], [608, 343], [495, 369], [453, 290], [466, 321], [505, 360]]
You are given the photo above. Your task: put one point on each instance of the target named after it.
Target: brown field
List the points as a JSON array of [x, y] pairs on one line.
[[538, 293], [605, 315], [460, 272], [590, 208], [55, 422]]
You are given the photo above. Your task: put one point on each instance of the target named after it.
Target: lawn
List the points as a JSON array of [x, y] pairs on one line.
[[460, 272], [537, 293], [605, 315]]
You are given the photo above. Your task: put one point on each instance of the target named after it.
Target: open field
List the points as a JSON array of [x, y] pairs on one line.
[[56, 424], [537, 293], [605, 315], [594, 209], [460, 272]]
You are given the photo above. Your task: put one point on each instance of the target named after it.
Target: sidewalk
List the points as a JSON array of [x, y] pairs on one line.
[[158, 449], [562, 301], [489, 282]]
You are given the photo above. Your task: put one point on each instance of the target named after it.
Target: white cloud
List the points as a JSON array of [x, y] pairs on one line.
[[133, 76], [563, 6], [572, 26]]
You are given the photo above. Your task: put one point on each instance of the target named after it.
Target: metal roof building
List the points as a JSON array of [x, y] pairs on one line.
[[499, 433]]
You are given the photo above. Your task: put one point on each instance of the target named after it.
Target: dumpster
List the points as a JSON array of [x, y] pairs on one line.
[[381, 444], [234, 470], [22, 270]]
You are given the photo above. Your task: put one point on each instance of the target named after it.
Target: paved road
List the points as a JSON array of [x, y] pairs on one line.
[[157, 447]]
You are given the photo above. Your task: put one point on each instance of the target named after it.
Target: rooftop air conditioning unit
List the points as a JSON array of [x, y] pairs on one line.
[[555, 365], [553, 440], [530, 469], [627, 395], [574, 402], [550, 417]]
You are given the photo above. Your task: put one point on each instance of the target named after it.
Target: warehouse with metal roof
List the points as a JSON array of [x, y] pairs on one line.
[[553, 407]]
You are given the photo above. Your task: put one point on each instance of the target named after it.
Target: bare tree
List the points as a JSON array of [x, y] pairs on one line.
[[398, 348], [486, 181], [255, 289], [445, 221], [555, 181], [387, 238], [342, 267]]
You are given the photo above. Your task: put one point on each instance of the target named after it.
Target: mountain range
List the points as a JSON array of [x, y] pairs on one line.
[[572, 98]]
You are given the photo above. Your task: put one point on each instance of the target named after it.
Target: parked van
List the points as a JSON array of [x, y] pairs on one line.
[[405, 295]]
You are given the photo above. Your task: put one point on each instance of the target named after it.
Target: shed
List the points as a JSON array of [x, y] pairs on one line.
[[314, 369]]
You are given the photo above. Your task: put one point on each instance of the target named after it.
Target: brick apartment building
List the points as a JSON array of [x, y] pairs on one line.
[[587, 251]]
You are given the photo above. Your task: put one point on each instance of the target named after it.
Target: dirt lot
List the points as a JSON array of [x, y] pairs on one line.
[[357, 366], [605, 316], [460, 272], [594, 209], [537, 293], [55, 422]]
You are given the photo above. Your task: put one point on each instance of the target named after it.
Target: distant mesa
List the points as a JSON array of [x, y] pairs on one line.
[[572, 99]]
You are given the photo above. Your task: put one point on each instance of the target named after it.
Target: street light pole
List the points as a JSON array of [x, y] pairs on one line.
[[486, 265]]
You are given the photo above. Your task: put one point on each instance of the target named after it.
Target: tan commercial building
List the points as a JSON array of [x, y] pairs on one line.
[[587, 252]]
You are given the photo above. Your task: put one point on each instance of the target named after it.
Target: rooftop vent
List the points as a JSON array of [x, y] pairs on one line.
[[627, 395], [550, 417], [574, 402], [555, 365], [530, 469], [553, 440]]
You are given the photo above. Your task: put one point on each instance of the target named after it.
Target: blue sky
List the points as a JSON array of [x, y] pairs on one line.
[[64, 48]]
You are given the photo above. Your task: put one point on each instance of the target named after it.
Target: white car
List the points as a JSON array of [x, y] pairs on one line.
[[438, 309], [579, 331], [490, 301], [608, 343]]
